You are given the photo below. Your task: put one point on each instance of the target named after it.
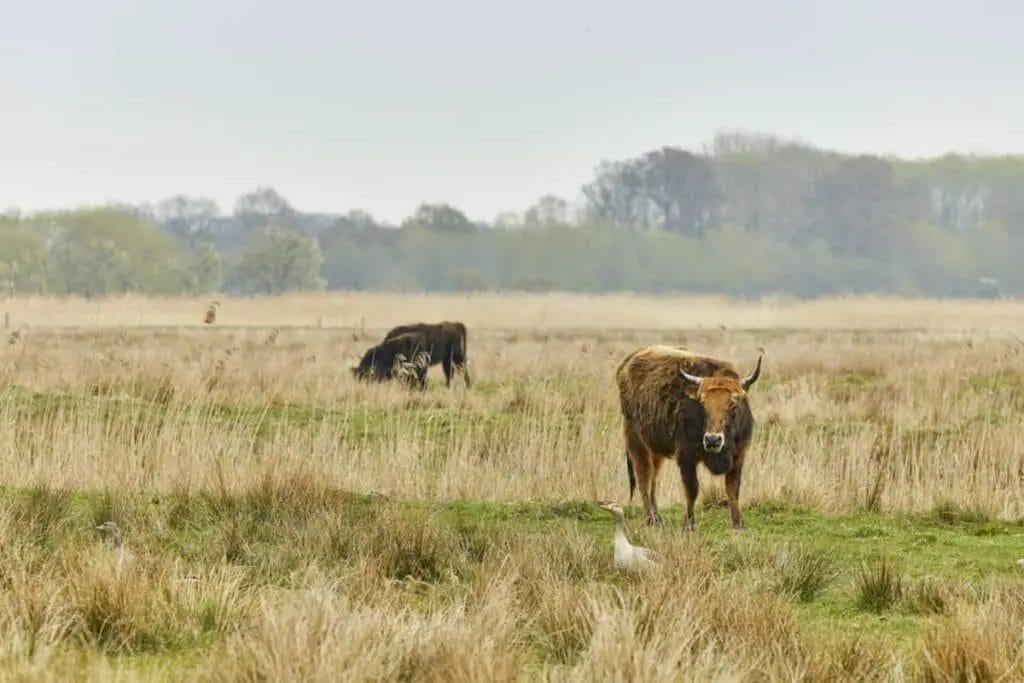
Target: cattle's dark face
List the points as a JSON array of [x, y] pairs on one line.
[[721, 398]]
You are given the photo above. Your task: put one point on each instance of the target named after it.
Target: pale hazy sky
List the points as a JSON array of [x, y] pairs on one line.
[[486, 105]]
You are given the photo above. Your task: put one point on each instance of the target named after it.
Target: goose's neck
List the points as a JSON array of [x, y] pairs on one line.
[[620, 530]]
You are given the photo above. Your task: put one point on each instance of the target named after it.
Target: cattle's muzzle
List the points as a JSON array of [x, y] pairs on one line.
[[718, 463], [713, 443]]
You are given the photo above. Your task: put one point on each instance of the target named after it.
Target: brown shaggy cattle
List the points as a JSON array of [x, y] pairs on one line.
[[677, 404], [446, 342], [390, 359]]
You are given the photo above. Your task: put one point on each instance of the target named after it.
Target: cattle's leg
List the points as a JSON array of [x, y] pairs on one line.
[[465, 373], [656, 463], [446, 363], [644, 469], [688, 468], [733, 478]]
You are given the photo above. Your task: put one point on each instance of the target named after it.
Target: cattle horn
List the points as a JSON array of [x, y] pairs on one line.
[[692, 379], [752, 377]]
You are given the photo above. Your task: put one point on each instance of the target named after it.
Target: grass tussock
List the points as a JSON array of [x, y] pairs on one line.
[[954, 512], [803, 573], [415, 547], [880, 585], [930, 596], [869, 659], [980, 642]]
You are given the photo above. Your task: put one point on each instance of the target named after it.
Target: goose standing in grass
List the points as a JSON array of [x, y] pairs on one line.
[[117, 541], [628, 556]]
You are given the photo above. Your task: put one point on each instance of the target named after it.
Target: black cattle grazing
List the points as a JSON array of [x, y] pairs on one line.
[[386, 360], [446, 342]]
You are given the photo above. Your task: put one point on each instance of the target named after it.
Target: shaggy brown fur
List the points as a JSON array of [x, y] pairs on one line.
[[446, 342], [665, 415], [383, 361]]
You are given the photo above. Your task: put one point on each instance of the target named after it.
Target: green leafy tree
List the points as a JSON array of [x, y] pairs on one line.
[[110, 250], [278, 261], [766, 182], [856, 208], [353, 264], [22, 259], [207, 268]]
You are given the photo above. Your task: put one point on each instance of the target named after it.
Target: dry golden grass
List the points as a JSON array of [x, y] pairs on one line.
[[376, 311], [886, 420], [221, 450]]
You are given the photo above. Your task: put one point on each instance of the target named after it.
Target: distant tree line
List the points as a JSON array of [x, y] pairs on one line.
[[748, 215]]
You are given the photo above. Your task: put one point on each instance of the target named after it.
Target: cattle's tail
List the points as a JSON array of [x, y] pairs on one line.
[[632, 477], [465, 355]]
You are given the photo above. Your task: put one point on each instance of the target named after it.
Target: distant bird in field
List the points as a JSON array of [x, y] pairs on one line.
[[211, 313], [628, 557], [113, 532]]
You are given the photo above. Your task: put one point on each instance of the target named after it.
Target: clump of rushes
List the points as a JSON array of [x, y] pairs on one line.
[[880, 586], [804, 573]]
